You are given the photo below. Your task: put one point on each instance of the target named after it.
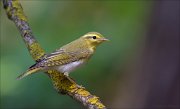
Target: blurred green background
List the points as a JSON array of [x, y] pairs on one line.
[[55, 23]]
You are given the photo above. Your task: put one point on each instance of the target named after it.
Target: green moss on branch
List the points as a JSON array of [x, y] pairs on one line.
[[62, 84]]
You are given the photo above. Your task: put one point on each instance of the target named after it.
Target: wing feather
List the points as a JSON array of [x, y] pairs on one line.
[[62, 57]]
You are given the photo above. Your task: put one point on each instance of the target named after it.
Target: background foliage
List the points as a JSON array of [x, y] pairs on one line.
[[55, 23]]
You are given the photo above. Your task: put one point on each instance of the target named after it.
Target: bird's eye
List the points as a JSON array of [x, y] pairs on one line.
[[94, 37]]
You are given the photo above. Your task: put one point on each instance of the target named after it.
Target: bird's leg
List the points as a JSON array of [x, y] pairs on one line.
[[70, 79], [67, 75]]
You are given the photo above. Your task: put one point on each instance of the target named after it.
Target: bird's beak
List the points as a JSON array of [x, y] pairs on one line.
[[104, 39]]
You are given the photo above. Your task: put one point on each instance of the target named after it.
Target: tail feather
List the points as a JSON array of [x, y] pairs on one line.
[[29, 71]]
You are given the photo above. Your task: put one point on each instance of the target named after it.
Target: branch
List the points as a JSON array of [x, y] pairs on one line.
[[62, 84]]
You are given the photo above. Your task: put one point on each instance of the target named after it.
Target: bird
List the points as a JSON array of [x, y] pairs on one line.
[[69, 57]]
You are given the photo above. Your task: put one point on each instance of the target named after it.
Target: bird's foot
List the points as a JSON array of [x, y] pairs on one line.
[[70, 79], [80, 86]]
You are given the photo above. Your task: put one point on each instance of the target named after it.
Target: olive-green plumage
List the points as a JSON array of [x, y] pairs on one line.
[[70, 56]]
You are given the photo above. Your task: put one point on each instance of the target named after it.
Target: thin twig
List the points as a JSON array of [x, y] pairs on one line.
[[15, 13]]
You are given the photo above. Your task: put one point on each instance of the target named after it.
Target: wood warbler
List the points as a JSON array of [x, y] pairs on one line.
[[68, 57]]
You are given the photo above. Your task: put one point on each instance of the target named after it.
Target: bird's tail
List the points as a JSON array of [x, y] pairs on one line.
[[31, 70]]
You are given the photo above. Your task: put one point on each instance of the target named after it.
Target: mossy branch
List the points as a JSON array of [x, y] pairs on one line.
[[62, 84]]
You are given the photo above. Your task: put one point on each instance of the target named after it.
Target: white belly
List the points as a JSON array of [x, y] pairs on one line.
[[67, 68]]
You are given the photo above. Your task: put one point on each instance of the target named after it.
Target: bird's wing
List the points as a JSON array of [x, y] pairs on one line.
[[62, 57]]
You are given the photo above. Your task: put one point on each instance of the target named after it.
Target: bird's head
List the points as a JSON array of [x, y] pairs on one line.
[[94, 39]]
